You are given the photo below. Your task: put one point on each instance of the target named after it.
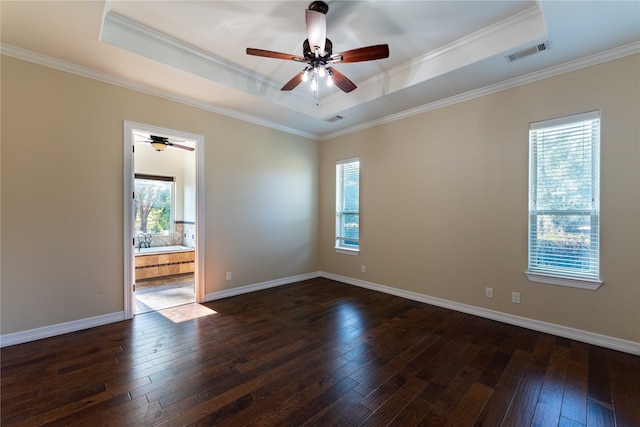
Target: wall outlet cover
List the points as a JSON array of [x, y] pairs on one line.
[[515, 297]]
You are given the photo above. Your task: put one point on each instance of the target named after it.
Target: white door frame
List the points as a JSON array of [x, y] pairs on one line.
[[129, 243]]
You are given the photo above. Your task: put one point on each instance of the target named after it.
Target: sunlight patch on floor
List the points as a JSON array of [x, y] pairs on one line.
[[183, 313], [163, 293]]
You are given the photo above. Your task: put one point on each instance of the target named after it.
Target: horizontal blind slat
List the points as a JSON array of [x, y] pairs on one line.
[[348, 203], [564, 180]]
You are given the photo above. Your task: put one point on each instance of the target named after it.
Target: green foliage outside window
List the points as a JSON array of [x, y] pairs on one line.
[[152, 207], [564, 196]]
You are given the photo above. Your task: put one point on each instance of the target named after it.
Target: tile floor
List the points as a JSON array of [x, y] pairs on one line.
[[152, 295]]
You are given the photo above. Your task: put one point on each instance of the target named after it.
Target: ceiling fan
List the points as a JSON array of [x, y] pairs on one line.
[[160, 143], [318, 53]]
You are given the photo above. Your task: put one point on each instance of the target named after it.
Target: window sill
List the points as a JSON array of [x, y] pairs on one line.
[[588, 284], [347, 251]]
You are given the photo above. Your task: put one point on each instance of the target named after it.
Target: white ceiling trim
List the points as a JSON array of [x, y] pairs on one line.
[[47, 61], [522, 28], [599, 58], [134, 37], [508, 34], [609, 55]]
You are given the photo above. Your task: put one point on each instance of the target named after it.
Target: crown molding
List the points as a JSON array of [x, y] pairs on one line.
[[518, 30], [47, 61], [599, 58], [517, 21], [135, 29], [137, 38], [609, 55]]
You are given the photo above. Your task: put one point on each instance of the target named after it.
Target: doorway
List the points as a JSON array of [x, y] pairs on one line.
[[164, 218], [164, 292]]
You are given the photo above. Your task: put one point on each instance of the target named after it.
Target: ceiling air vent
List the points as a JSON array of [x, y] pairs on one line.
[[334, 119], [528, 51]]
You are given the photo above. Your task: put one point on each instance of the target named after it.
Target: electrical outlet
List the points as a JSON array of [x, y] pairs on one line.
[[363, 268], [515, 297], [228, 275], [488, 292]]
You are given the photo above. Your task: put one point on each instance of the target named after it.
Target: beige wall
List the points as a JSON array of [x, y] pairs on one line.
[[62, 198], [444, 201], [443, 197]]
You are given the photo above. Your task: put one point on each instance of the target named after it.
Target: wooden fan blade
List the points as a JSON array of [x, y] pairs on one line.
[[276, 55], [295, 81], [341, 80], [316, 29], [368, 53], [184, 147]]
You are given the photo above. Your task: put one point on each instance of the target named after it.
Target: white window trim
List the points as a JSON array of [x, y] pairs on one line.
[[590, 285], [557, 279], [347, 251], [340, 249]]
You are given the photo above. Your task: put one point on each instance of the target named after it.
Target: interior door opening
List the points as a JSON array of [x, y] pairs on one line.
[[162, 218], [164, 228]]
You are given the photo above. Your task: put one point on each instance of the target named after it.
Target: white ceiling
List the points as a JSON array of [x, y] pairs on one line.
[[194, 51]]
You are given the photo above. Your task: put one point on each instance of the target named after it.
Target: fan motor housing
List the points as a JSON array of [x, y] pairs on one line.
[[311, 56], [319, 6], [162, 139]]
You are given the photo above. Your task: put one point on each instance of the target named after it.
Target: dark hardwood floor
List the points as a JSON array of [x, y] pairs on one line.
[[316, 353]]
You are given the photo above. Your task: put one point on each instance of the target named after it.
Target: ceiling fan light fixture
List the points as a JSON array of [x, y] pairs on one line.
[[159, 146], [317, 51]]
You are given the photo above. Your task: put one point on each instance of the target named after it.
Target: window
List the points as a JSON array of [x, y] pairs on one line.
[[348, 206], [564, 232], [153, 206]]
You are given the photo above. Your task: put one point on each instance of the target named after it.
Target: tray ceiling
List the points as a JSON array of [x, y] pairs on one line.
[[440, 51]]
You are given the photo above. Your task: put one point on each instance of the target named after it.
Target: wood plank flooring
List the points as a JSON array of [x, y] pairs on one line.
[[316, 353]]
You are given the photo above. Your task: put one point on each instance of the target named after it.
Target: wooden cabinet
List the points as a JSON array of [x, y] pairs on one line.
[[166, 264]]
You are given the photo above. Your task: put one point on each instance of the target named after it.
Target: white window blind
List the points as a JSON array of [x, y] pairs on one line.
[[348, 204], [564, 232]]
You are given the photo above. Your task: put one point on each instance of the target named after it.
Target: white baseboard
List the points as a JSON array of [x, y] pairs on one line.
[[80, 324], [59, 329], [536, 325], [259, 286]]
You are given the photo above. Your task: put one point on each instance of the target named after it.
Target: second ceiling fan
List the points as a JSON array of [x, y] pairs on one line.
[[318, 53], [160, 143]]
